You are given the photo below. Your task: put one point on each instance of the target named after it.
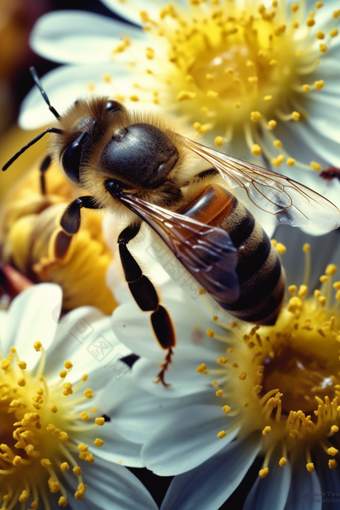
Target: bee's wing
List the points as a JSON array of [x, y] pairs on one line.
[[206, 252], [290, 202]]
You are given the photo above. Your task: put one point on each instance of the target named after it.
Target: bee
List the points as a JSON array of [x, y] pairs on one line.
[[147, 168]]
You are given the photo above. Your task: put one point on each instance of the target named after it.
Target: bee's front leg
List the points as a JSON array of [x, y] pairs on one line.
[[145, 295], [44, 166]]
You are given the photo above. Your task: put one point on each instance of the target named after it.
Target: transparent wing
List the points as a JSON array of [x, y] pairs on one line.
[[206, 252], [290, 202]]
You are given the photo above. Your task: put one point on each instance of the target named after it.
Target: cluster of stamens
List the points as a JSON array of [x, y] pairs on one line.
[[233, 70], [284, 379], [39, 425]]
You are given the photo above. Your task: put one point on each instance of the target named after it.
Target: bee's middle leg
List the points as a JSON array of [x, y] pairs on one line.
[[146, 297]]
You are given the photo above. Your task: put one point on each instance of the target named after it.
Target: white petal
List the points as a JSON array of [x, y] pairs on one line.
[[294, 259], [79, 37], [210, 484], [191, 319], [63, 86], [305, 489], [272, 491], [85, 338], [130, 9], [115, 449], [33, 316], [330, 482], [112, 486], [181, 374], [188, 439]]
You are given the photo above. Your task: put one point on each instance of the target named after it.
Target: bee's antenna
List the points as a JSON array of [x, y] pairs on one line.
[[36, 139], [37, 81]]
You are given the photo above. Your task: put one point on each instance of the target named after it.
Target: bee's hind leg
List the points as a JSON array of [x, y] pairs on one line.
[[145, 295]]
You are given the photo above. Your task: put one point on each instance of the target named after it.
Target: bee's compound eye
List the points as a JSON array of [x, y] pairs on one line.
[[114, 106], [71, 158]]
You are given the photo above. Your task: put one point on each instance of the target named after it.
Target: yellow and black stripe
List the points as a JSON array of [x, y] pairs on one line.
[[259, 270]]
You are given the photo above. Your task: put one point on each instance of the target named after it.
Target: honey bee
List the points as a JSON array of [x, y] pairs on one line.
[[147, 167]]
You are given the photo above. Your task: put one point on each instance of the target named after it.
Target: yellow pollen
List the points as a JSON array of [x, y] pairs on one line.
[[332, 451], [256, 150], [310, 22], [46, 463], [218, 141], [310, 467], [294, 7], [323, 47], [295, 116], [277, 143], [332, 464], [303, 290], [226, 409], [281, 247], [320, 35], [318, 5], [306, 247], [21, 381], [221, 434], [134, 98], [37, 346], [272, 124], [292, 289], [219, 393], [336, 14], [315, 166], [306, 88], [222, 361], [88, 393], [53, 408], [184, 95], [77, 471], [255, 116], [323, 278], [62, 374], [64, 466], [334, 32], [322, 301], [84, 416], [87, 456], [5, 364], [331, 269], [334, 429], [210, 333], [264, 472], [100, 421], [201, 368], [98, 442], [242, 376], [290, 161], [83, 447], [268, 98], [62, 501], [266, 430], [68, 364], [282, 461], [53, 485], [319, 85], [295, 24]]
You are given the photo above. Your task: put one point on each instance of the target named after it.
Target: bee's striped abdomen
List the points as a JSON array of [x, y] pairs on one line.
[[259, 270]]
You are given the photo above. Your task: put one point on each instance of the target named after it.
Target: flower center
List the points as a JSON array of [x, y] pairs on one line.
[[233, 68], [37, 424], [284, 379]]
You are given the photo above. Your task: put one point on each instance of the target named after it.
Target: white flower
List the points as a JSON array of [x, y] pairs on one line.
[[262, 80], [243, 392], [59, 445]]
